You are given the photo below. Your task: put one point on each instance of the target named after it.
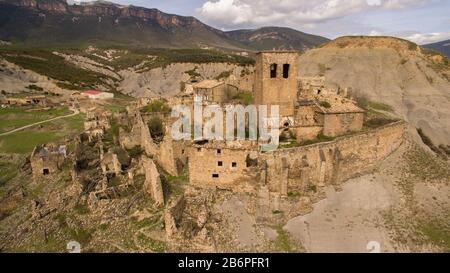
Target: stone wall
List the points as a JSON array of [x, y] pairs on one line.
[[307, 133], [336, 124], [152, 184], [331, 162], [297, 169], [146, 140], [173, 214], [166, 155]]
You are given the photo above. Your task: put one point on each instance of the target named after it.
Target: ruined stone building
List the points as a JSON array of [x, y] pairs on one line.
[[215, 91], [96, 123], [39, 100], [47, 160], [110, 164], [227, 162], [339, 116], [170, 154], [309, 87]]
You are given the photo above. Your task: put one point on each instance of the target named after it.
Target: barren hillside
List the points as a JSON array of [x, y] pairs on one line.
[[413, 80], [168, 81]]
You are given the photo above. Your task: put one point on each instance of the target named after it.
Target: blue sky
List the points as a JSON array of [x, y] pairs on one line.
[[422, 21]]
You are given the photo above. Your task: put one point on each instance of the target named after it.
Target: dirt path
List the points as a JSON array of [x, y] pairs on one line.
[[75, 112]]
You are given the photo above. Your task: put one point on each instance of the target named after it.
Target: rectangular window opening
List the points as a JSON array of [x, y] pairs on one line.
[[215, 175], [273, 71], [234, 164], [220, 163], [286, 71]]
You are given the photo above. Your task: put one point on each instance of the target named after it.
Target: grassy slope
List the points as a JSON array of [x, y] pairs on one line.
[[44, 62], [160, 57], [12, 118], [24, 141]]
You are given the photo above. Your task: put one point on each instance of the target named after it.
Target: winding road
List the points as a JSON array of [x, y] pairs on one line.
[[75, 112]]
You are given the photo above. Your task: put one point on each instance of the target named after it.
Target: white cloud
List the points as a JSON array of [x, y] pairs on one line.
[[427, 38], [237, 13], [374, 33]]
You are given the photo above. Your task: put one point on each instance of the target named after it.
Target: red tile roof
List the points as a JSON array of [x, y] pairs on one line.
[[91, 92]]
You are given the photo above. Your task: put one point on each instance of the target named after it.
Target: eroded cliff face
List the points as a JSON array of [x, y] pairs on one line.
[[47, 5], [105, 9], [14, 78]]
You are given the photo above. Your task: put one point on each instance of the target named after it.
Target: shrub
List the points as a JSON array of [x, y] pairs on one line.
[[412, 46], [193, 73], [325, 104], [380, 106], [136, 151], [428, 142], [312, 188], [223, 75], [322, 69], [245, 98], [81, 208], [293, 194], [361, 100], [323, 138], [123, 157], [445, 149], [35, 87], [378, 122], [157, 106], [156, 128]]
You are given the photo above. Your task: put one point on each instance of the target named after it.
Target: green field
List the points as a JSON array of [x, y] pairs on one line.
[[12, 118], [24, 141]]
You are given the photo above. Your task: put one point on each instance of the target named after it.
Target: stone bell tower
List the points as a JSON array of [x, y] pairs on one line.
[[276, 80]]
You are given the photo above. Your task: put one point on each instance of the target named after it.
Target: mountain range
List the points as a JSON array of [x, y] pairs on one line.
[[443, 47], [55, 22]]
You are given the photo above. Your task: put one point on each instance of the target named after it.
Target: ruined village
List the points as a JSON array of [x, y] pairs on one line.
[[323, 142], [88, 155]]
